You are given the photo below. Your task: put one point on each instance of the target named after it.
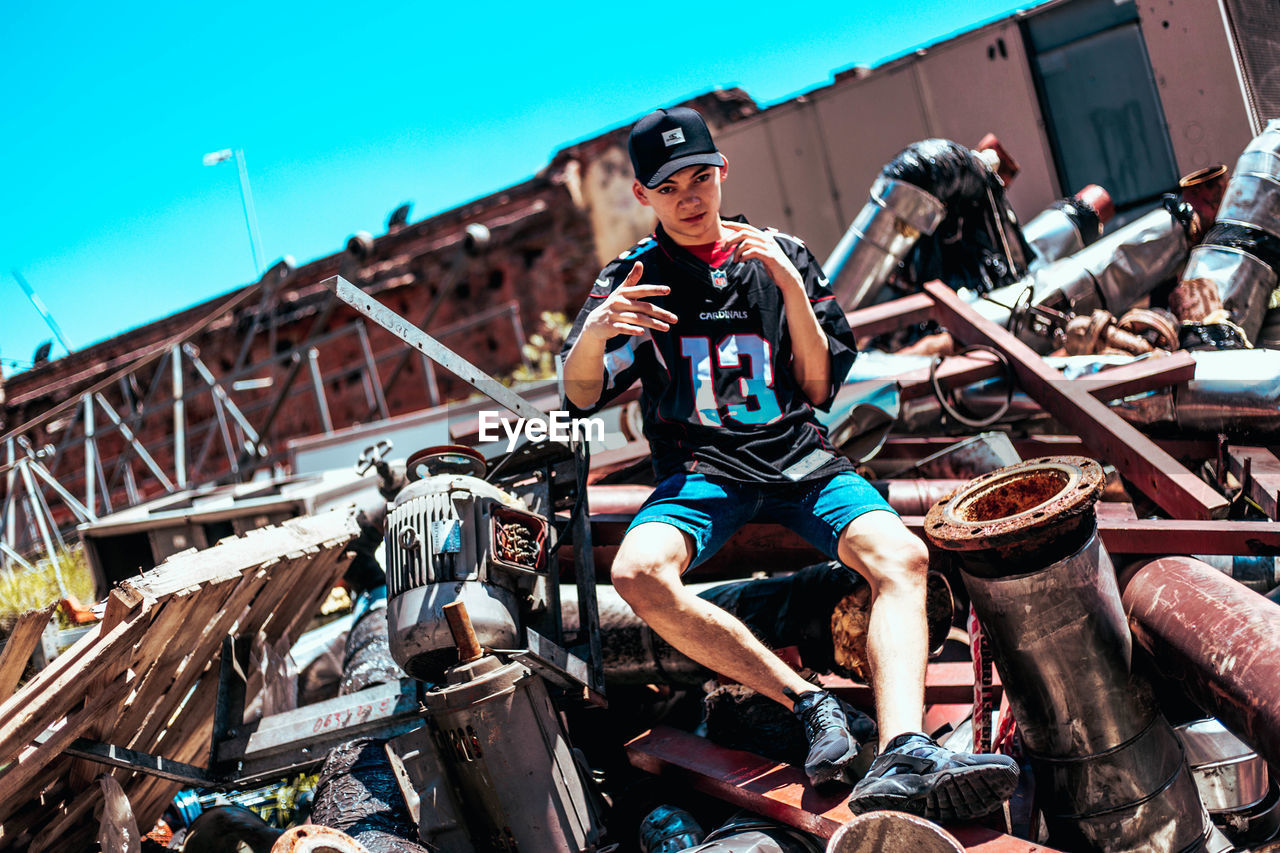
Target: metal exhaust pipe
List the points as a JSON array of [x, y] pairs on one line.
[[1240, 254], [1113, 774], [895, 216], [1068, 225]]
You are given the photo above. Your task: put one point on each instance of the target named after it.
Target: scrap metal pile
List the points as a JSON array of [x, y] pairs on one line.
[[1079, 424]]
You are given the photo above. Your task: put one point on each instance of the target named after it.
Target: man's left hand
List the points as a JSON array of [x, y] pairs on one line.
[[750, 242]]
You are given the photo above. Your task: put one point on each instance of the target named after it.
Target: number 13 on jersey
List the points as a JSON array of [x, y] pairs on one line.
[[756, 402]]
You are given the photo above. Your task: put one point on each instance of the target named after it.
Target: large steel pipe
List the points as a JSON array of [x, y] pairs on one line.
[[1219, 640], [888, 226], [1112, 773]]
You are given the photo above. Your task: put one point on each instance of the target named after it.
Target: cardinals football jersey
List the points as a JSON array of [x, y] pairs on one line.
[[719, 395]]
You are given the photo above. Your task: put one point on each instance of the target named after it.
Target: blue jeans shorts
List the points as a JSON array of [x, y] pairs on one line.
[[711, 511]]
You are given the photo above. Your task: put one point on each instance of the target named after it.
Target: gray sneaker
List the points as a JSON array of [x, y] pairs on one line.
[[831, 748], [915, 775]]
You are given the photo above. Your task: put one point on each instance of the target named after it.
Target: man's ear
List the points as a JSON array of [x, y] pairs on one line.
[[638, 190], [724, 170]]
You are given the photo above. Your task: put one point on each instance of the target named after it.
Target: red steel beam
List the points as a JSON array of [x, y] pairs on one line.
[[776, 547], [777, 791], [1220, 640], [912, 447], [946, 683], [1142, 461], [888, 316], [1141, 376], [1262, 482]]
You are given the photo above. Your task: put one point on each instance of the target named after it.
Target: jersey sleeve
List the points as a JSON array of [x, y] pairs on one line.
[[625, 356], [841, 343]]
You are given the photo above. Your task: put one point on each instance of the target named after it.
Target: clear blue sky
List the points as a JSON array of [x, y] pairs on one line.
[[344, 111]]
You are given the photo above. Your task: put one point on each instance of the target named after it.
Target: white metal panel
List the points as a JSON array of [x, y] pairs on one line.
[[806, 180], [1196, 78], [865, 123], [754, 184], [981, 82]]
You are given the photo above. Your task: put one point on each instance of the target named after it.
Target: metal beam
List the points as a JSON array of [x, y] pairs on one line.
[[1142, 461], [1258, 471], [432, 348], [144, 762]]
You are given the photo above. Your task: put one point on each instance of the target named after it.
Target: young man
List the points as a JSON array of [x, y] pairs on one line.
[[735, 338]]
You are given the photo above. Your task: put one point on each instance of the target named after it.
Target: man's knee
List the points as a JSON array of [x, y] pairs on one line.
[[888, 555], [646, 570]]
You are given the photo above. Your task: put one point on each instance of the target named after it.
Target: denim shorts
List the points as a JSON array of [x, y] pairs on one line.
[[711, 511]]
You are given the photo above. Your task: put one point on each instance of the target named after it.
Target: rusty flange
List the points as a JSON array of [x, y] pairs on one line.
[[1020, 509], [311, 838]]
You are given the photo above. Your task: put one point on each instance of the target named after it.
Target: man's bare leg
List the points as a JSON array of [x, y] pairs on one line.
[[646, 573], [895, 563]]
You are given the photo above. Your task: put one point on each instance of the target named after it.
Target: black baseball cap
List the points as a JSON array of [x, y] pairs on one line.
[[666, 141]]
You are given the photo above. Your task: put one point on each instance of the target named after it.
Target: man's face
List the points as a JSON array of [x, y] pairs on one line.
[[687, 203]]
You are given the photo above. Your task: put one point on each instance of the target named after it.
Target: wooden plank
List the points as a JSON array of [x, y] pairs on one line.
[[1263, 482], [944, 683], [23, 639], [34, 759], [1142, 461], [35, 707]]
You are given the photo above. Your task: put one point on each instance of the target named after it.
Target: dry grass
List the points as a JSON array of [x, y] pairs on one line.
[[22, 590]]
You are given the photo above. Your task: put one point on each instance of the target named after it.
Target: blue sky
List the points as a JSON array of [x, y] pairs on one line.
[[344, 111]]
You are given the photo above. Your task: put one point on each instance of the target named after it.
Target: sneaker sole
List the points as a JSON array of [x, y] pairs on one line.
[[829, 771], [951, 795]]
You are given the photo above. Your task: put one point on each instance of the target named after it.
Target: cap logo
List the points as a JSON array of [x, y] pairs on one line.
[[673, 137]]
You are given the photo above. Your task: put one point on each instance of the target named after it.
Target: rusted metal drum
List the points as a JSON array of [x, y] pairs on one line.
[[1111, 772]]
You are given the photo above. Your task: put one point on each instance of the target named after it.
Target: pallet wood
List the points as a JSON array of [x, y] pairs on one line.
[[146, 677], [17, 649]]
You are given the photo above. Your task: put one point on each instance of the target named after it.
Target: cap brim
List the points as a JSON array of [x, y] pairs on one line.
[[714, 158]]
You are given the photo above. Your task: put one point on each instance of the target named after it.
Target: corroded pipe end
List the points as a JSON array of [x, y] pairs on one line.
[[464, 635], [310, 838], [1020, 511]]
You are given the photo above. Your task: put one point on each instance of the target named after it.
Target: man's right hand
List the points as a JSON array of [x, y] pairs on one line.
[[624, 311]]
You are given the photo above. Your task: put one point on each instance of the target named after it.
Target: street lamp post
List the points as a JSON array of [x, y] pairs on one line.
[[213, 158]]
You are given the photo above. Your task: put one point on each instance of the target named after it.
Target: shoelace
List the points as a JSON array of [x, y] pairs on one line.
[[820, 717]]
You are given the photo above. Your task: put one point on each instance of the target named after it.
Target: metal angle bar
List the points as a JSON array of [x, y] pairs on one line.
[[152, 765], [371, 372], [15, 556], [1175, 489], [179, 420], [317, 385], [1263, 482], [429, 346], [207, 375], [90, 456], [10, 516], [34, 508], [48, 513], [69, 499], [137, 445]]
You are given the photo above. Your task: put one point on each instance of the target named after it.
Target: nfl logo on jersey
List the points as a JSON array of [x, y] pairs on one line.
[[719, 280]]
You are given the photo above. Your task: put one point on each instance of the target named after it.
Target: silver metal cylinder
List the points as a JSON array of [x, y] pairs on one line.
[[1112, 772], [1244, 282], [1053, 235], [1113, 273], [506, 754], [893, 219], [1253, 194]]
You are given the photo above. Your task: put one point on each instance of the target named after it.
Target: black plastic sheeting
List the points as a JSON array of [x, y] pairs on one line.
[[367, 660], [230, 829], [358, 794], [739, 718], [1083, 216], [966, 249], [792, 610]]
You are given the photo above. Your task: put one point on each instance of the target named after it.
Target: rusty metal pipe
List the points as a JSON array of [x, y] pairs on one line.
[[1110, 771], [1218, 639], [907, 496]]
